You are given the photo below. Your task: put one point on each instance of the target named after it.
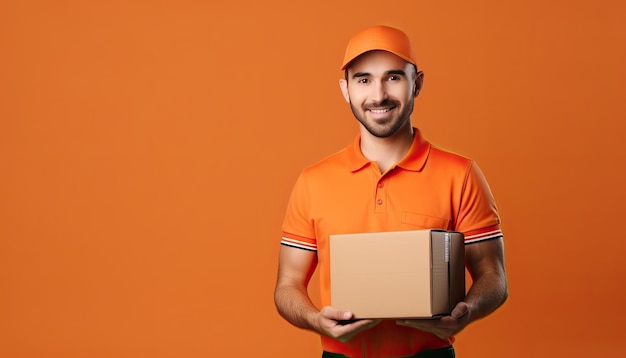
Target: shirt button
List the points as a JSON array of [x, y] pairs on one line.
[[379, 201], [380, 185]]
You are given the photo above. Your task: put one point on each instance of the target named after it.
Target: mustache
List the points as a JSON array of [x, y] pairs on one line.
[[384, 103]]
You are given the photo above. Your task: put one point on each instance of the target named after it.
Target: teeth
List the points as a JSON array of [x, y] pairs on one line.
[[379, 110]]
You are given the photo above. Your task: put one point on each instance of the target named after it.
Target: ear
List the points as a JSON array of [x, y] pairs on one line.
[[419, 82], [343, 85]]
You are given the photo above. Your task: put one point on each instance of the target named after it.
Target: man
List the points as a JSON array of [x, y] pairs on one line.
[[389, 179]]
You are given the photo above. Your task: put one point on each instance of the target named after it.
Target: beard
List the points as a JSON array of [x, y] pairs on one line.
[[387, 127]]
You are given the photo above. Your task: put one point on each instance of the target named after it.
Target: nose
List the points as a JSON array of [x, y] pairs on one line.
[[379, 92]]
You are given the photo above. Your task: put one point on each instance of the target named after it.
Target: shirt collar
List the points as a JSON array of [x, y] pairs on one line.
[[414, 159]]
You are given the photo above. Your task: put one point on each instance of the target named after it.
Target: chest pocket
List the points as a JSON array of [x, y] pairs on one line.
[[420, 221]]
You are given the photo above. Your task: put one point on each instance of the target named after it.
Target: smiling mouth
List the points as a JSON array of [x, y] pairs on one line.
[[382, 107], [381, 110]]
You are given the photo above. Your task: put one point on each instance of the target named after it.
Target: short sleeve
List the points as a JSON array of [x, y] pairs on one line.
[[478, 217], [298, 228]]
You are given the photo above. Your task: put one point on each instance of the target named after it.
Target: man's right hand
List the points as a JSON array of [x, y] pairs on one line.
[[295, 269], [340, 325]]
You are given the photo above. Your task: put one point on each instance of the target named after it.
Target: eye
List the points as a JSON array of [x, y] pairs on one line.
[[394, 78], [363, 80]]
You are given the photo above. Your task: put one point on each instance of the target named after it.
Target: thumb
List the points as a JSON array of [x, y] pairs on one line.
[[336, 314], [344, 315], [460, 310]]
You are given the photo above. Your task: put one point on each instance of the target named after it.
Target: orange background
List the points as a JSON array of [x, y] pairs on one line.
[[147, 151]]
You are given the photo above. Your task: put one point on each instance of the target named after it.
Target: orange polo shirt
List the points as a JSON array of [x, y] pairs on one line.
[[346, 193]]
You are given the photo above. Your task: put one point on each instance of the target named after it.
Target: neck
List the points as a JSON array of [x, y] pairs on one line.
[[386, 152]]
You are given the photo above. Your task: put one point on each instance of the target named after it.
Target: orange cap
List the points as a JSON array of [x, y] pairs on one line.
[[379, 38]]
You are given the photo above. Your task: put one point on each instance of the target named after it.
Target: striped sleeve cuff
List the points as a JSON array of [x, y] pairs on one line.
[[299, 242], [483, 235]]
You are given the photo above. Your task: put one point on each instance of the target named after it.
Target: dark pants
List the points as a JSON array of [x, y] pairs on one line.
[[447, 352]]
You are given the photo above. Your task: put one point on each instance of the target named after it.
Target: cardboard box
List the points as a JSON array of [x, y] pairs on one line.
[[403, 274]]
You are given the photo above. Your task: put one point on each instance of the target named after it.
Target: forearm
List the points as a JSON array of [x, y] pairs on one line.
[[488, 292], [295, 306]]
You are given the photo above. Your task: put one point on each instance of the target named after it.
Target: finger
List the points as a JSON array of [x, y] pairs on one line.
[[343, 316], [335, 314], [360, 324], [460, 310], [371, 322]]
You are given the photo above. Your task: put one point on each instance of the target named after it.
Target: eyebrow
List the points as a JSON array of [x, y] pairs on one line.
[[396, 72], [390, 72], [360, 74]]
